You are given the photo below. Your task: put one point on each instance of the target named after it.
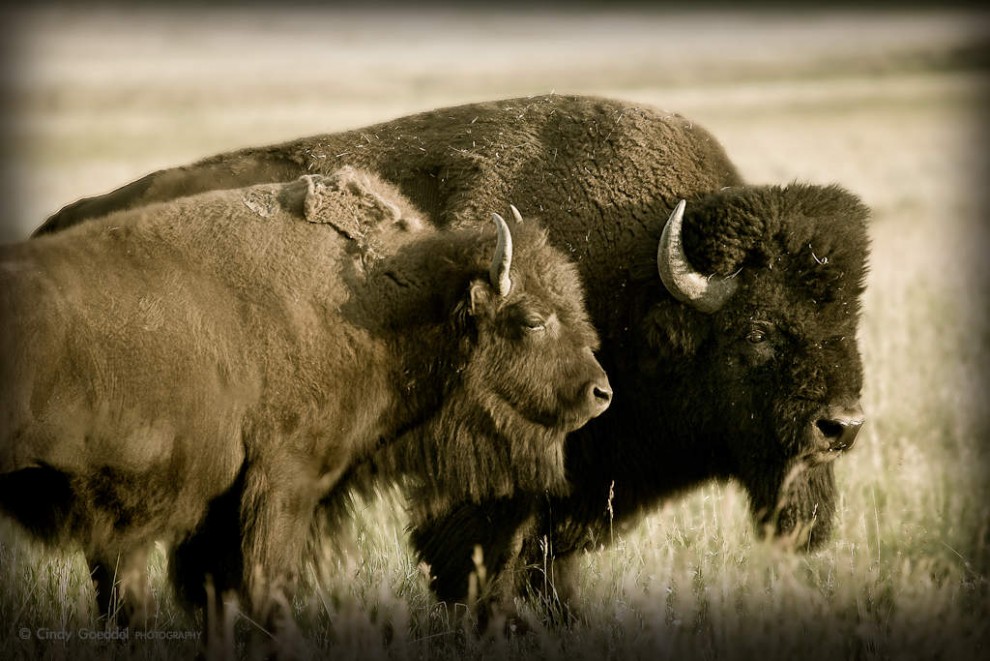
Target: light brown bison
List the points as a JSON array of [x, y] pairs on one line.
[[734, 351], [205, 370]]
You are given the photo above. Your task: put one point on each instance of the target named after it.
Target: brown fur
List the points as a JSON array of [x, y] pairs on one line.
[[602, 175], [206, 370]]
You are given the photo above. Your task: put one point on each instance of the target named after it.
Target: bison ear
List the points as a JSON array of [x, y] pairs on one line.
[[480, 297]]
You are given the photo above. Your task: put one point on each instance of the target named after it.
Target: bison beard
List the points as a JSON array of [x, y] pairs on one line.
[[800, 511], [604, 175], [462, 455]]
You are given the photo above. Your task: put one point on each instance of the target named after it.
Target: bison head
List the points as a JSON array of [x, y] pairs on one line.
[[535, 342], [527, 374], [766, 283]]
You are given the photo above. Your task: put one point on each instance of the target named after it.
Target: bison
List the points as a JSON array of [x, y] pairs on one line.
[[731, 330], [205, 370]]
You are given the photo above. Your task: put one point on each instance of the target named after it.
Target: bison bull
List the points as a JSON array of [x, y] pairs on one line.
[[206, 369], [735, 350]]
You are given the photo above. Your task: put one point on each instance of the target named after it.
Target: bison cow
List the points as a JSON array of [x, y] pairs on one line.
[[205, 370], [732, 341]]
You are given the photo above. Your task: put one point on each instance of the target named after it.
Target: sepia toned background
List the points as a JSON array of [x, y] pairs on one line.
[[888, 102]]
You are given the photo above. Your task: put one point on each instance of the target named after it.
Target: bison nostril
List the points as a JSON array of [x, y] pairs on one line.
[[839, 433], [600, 396], [830, 428]]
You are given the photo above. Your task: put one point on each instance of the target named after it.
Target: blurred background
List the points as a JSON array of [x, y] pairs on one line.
[[888, 100], [97, 94]]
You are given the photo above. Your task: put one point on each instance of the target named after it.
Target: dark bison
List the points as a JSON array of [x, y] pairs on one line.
[[205, 370], [733, 347]]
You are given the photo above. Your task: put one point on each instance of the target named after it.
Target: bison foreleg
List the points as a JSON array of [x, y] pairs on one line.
[[473, 553], [518, 549], [123, 592], [209, 559], [276, 518]]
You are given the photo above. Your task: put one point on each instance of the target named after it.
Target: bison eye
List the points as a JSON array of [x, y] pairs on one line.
[[756, 336], [534, 324]]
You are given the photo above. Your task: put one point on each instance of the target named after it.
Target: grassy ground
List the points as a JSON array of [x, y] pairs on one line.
[[889, 105]]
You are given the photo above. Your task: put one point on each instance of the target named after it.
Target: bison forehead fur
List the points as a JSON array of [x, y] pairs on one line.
[[813, 238]]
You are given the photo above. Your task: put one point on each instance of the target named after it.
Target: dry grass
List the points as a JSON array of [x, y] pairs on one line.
[[886, 105]]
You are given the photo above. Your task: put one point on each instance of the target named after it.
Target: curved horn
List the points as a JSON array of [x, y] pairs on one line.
[[502, 261], [515, 213], [707, 294]]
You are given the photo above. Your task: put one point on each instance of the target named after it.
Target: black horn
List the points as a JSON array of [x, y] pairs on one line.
[[706, 293]]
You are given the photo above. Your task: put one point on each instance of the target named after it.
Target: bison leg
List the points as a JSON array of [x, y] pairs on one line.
[[206, 569], [123, 592], [276, 517], [528, 548], [474, 552], [210, 558]]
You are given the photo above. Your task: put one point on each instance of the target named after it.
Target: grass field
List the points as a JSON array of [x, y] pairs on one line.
[[891, 105]]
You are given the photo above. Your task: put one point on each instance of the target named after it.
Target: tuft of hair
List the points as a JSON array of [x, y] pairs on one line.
[[801, 227]]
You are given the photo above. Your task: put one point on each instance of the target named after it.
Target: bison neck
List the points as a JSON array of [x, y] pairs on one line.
[[640, 466], [424, 366], [407, 304], [655, 444]]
